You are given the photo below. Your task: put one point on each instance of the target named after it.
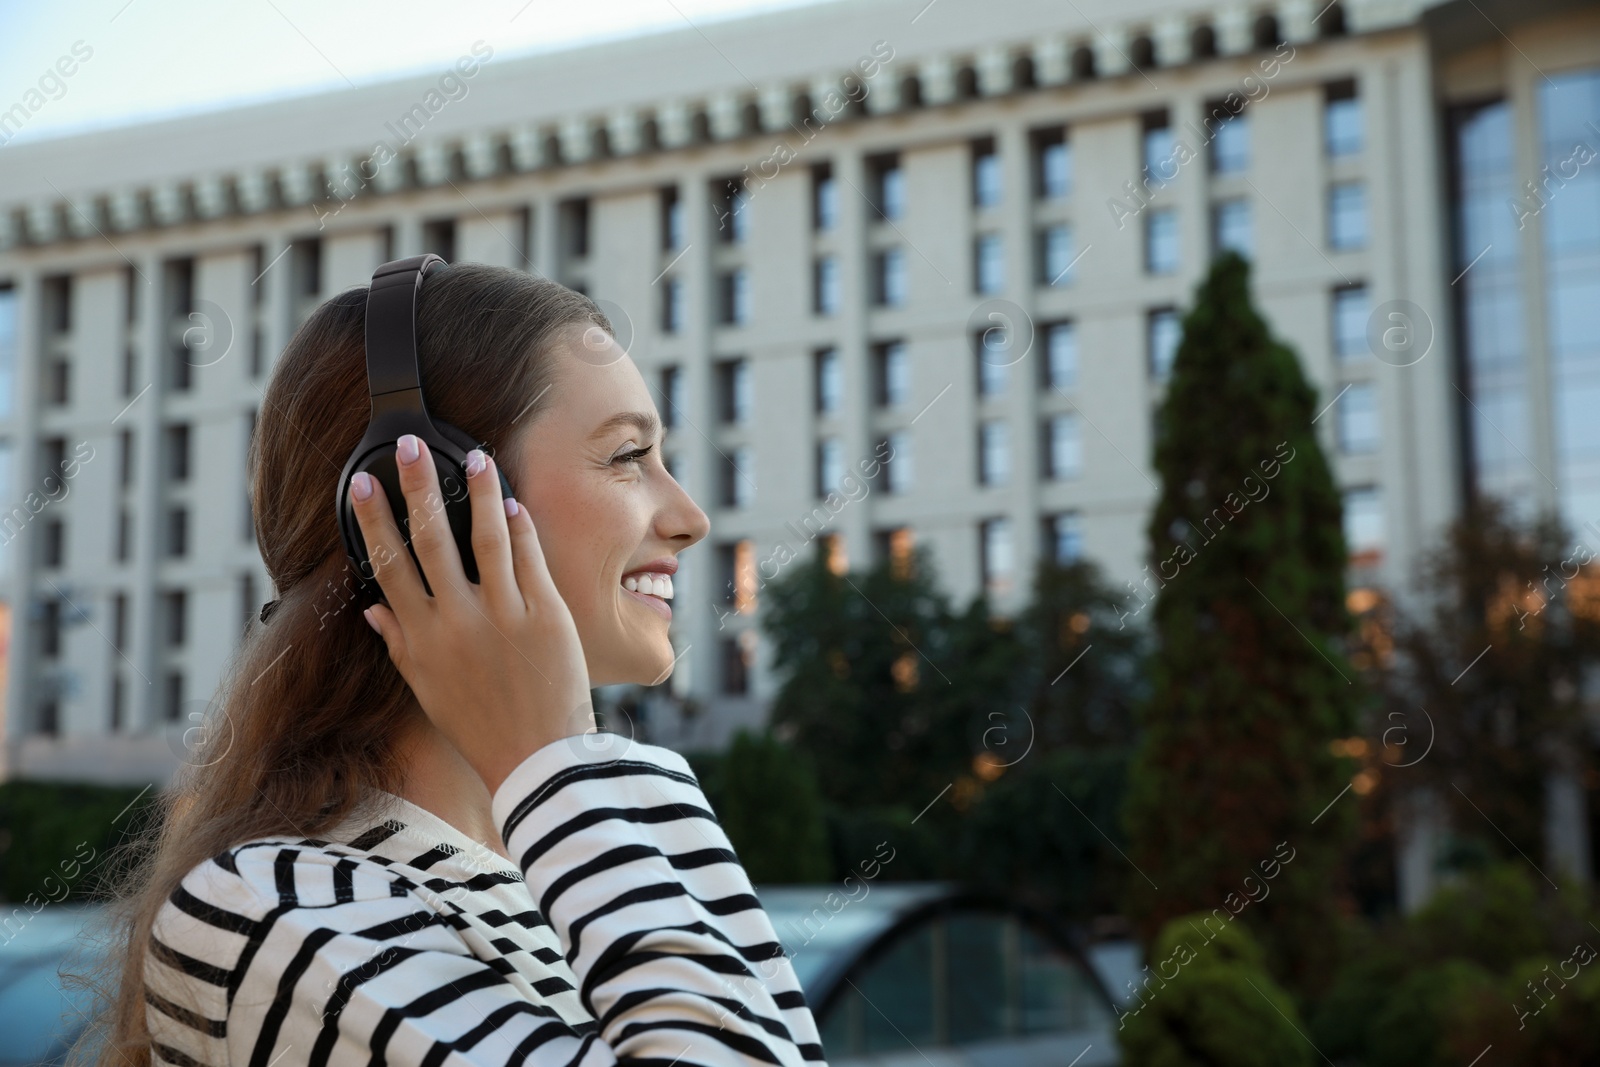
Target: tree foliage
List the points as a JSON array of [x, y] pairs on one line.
[[1249, 681]]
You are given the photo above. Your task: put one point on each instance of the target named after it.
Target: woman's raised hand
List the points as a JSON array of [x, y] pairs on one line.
[[497, 666]]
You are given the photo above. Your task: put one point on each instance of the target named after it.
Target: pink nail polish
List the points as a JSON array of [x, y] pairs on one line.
[[408, 448], [475, 462], [511, 507], [367, 614], [361, 485]]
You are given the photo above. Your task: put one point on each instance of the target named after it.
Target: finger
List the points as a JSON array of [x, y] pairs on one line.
[[391, 566], [527, 557], [491, 543], [431, 537], [383, 620]]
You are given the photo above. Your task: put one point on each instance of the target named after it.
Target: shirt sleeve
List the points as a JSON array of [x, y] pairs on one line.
[[674, 954], [285, 956]]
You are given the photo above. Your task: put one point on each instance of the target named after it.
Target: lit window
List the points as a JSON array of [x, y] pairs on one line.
[[990, 269], [1347, 215], [1343, 126], [1055, 167], [1363, 524], [826, 282], [896, 547], [994, 453], [1231, 222], [1165, 332], [1161, 241], [1358, 419], [1063, 447], [899, 469], [1350, 313], [830, 465], [891, 277], [1064, 537], [998, 555], [829, 384], [986, 177], [1061, 355], [1230, 146], [893, 375], [1055, 254]]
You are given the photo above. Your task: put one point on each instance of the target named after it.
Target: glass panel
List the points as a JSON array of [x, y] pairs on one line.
[[899, 992], [979, 1002]]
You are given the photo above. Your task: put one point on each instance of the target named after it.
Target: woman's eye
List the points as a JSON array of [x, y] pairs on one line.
[[633, 455]]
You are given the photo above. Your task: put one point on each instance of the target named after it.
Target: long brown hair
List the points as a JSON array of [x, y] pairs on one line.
[[306, 720]]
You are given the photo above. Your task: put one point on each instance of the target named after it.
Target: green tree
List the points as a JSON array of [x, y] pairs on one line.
[[1249, 682], [768, 803]]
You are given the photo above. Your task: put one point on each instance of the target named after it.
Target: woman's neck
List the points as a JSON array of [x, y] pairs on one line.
[[437, 778]]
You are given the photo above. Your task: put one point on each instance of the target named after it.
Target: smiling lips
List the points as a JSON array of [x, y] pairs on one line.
[[650, 583]]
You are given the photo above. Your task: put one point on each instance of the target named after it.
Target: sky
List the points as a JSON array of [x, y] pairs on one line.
[[152, 59]]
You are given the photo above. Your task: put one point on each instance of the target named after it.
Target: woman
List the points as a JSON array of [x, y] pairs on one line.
[[410, 847]]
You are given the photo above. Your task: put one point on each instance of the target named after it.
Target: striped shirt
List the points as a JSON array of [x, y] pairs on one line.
[[630, 934]]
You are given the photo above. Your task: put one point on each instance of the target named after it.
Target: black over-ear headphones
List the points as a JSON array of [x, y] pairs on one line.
[[394, 381]]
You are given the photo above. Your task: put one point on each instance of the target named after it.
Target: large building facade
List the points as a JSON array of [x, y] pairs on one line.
[[899, 278]]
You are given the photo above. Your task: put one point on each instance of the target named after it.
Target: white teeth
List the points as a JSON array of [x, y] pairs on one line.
[[659, 585]]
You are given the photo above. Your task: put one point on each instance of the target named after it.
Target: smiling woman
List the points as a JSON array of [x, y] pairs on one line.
[[415, 850]]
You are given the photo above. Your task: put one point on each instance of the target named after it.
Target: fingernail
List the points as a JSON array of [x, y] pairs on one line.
[[367, 614], [511, 507], [408, 448], [361, 485], [475, 462]]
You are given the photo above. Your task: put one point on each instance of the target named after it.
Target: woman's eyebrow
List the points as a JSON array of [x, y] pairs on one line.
[[646, 422]]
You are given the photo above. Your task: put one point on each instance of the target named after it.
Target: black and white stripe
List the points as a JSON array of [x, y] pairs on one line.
[[630, 934]]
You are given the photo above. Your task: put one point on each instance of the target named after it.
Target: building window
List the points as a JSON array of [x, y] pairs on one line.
[[173, 710], [1230, 145], [1056, 254], [736, 575], [125, 458], [572, 228], [119, 622], [672, 307], [178, 452], [994, 453], [1165, 332], [888, 188], [997, 555], [118, 701], [731, 205], [896, 547], [898, 469], [986, 175], [1161, 240], [830, 465], [50, 628], [825, 285], [439, 237], [734, 390], [738, 477], [1350, 313], [1358, 419], [824, 198], [1363, 524], [889, 277], [60, 382], [124, 535], [1160, 165], [835, 552], [57, 293], [671, 219], [735, 667], [891, 374], [1347, 215], [671, 396], [1230, 227], [989, 263], [176, 605], [1343, 127], [1063, 537], [827, 382], [53, 546], [991, 359], [734, 290], [1061, 356], [1052, 165], [130, 369], [177, 531], [1063, 447]]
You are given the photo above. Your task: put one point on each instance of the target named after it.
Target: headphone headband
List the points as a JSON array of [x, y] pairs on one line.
[[392, 324]]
